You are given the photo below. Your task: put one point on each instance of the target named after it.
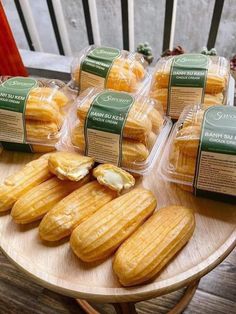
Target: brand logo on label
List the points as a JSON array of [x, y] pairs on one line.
[[191, 60], [20, 83], [221, 116], [115, 99], [108, 98], [105, 53]]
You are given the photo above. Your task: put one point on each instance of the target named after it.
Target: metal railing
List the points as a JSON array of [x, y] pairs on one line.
[[92, 27]]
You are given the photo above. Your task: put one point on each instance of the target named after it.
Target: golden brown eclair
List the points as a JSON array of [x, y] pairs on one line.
[[19, 183], [70, 165], [153, 245], [187, 140], [37, 148], [102, 233], [39, 200], [55, 95], [132, 65], [113, 177], [41, 131], [71, 211], [43, 110], [124, 75]]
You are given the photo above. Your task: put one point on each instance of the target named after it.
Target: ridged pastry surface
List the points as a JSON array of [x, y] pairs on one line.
[[153, 245], [39, 200], [17, 184], [73, 210], [101, 234]]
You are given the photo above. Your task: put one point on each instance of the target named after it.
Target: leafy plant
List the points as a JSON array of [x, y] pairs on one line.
[[146, 50]]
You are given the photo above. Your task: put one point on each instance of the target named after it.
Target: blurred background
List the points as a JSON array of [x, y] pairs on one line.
[[191, 27]]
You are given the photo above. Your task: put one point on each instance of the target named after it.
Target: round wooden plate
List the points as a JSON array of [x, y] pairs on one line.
[[57, 268]]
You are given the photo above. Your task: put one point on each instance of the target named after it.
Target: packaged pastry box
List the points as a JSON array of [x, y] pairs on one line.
[[124, 129], [179, 81], [32, 112], [200, 154], [109, 68]]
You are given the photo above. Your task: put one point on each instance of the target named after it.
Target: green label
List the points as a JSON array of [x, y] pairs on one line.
[[104, 126], [26, 148], [14, 92], [187, 82], [216, 164], [13, 96], [189, 70], [95, 67]]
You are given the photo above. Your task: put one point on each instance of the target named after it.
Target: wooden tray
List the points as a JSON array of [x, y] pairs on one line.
[[58, 269]]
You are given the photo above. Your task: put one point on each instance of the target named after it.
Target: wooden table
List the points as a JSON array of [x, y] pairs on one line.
[[56, 267]]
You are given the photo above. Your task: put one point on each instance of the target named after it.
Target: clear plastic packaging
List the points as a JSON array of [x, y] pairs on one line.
[[179, 158], [44, 115], [215, 89], [144, 132], [109, 68]]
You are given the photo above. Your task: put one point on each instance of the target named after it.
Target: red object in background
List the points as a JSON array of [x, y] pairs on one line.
[[10, 59]]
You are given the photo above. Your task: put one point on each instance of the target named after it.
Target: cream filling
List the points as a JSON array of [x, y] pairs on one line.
[[74, 175], [115, 179]]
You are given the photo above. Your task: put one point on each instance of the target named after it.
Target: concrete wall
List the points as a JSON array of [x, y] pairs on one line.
[[192, 24]]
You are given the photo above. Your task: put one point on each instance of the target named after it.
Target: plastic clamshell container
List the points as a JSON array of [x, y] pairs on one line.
[[230, 94], [147, 150], [217, 80], [179, 157], [127, 73], [44, 116]]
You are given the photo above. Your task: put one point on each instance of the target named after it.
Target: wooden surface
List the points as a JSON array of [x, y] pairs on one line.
[[56, 268], [216, 294]]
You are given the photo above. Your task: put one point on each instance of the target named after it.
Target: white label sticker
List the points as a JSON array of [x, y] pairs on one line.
[[91, 80], [217, 173], [105, 146], [180, 97], [11, 126]]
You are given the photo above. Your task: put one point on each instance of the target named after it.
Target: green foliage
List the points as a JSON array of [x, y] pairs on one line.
[[146, 50], [211, 52]]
